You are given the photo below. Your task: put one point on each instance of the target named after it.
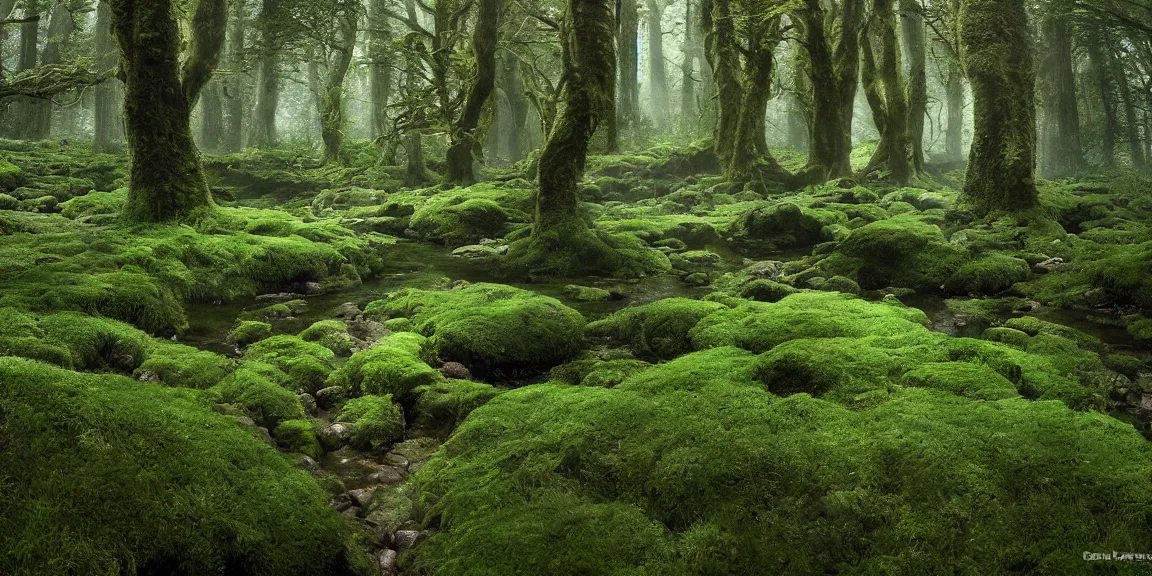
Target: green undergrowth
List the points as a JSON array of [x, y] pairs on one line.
[[104, 474], [144, 274]]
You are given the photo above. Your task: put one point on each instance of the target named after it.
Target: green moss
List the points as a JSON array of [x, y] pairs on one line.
[[901, 251], [185, 366], [657, 330], [249, 331], [1033, 326], [988, 275], [307, 364], [465, 216], [144, 476], [839, 368], [962, 379], [94, 203], [587, 293], [375, 421], [727, 478], [393, 366], [253, 388], [1126, 271], [1141, 330], [758, 326], [764, 290], [490, 328], [298, 436], [442, 406], [777, 227], [331, 334]]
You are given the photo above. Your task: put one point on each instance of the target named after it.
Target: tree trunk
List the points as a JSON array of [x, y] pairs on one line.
[[912, 25], [107, 119], [40, 111], [954, 94], [268, 85], [657, 74], [997, 55], [465, 146], [834, 64], [234, 86], [515, 137], [751, 161], [211, 117], [688, 111], [799, 101], [628, 99], [380, 71], [1131, 125], [166, 182], [725, 61], [24, 110], [1110, 128], [330, 101], [884, 86], [1062, 153]]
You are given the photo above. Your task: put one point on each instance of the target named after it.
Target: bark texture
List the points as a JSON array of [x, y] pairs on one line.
[[997, 55]]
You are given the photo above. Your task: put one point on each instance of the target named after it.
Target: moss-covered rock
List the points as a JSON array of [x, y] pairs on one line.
[[658, 330], [442, 406], [144, 476], [331, 334], [902, 251], [299, 436], [721, 477], [375, 421], [988, 275], [490, 328], [255, 389], [776, 227], [393, 367], [962, 379], [307, 364], [764, 290], [249, 331]]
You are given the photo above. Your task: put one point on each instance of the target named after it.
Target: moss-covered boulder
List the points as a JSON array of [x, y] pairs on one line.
[[490, 328], [442, 406], [777, 227], [256, 389], [375, 421], [902, 251], [299, 436], [658, 330], [393, 367], [988, 275], [103, 472]]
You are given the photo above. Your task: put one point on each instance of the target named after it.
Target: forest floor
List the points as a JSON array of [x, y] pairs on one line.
[[820, 377]]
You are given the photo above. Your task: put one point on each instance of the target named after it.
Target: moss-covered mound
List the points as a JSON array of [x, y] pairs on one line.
[[467, 215], [658, 330], [903, 251], [142, 275], [391, 367], [779, 226], [103, 474], [490, 328], [700, 469]]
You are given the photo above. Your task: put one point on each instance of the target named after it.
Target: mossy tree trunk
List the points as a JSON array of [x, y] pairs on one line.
[[725, 60], [750, 159], [330, 100], [627, 64], [463, 150], [212, 116], [166, 182], [884, 85], [997, 54], [1063, 155], [263, 130], [515, 144], [108, 123], [22, 108], [380, 69], [912, 27], [234, 85], [799, 100], [834, 65]]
